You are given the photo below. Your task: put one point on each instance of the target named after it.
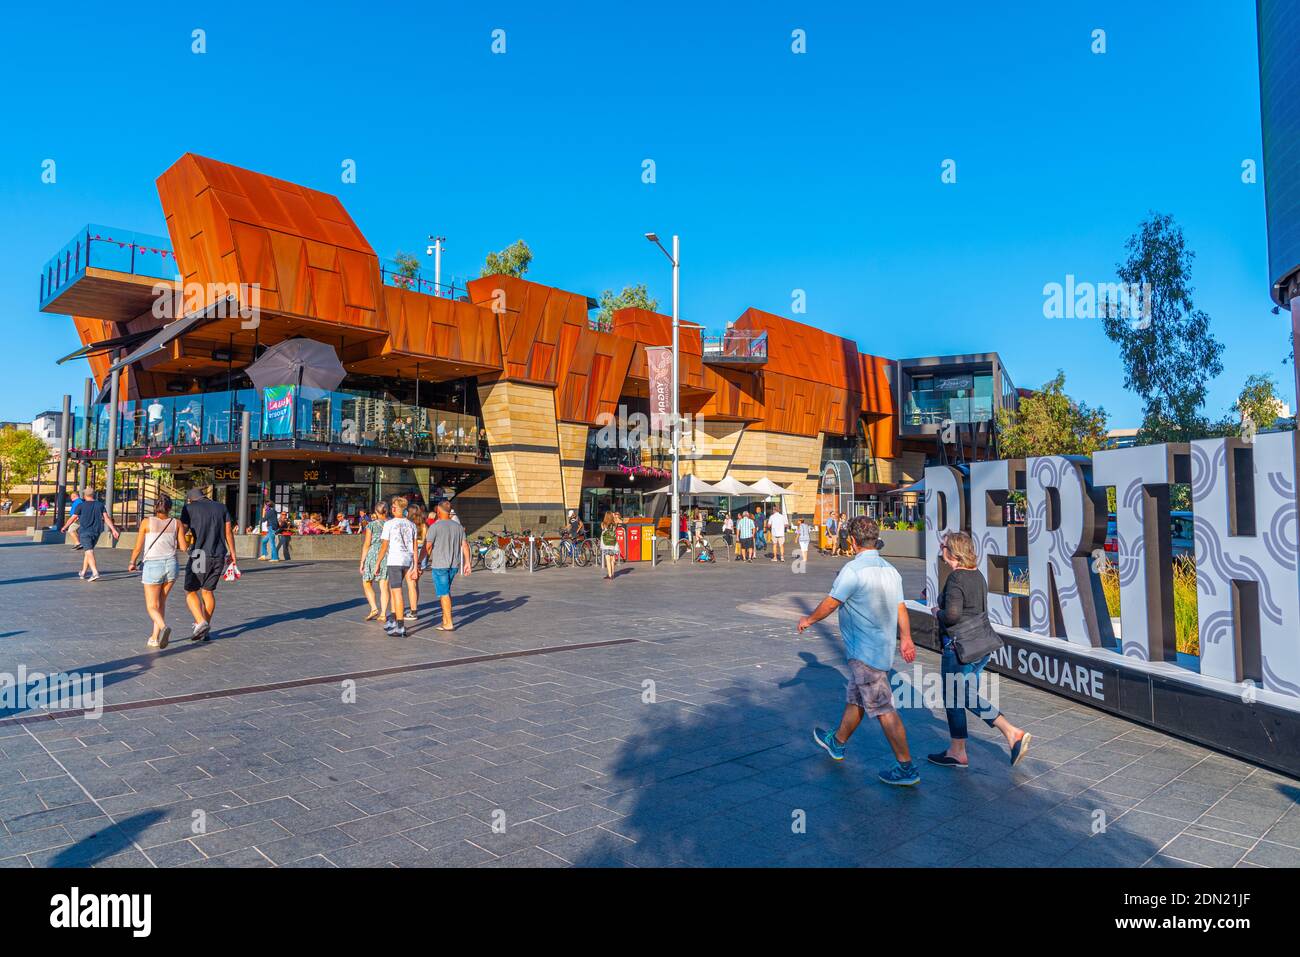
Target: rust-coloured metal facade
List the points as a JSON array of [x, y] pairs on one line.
[[315, 274]]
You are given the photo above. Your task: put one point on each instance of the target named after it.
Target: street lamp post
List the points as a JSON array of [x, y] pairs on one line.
[[675, 258]]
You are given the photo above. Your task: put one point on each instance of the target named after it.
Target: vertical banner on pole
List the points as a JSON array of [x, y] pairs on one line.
[[659, 363]]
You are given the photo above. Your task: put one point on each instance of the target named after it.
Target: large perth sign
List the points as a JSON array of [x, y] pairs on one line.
[[1244, 504]]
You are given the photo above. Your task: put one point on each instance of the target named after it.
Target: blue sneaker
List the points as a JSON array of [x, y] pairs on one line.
[[827, 740], [901, 775]]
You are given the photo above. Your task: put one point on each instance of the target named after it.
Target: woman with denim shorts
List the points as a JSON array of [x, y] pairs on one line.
[[156, 544]]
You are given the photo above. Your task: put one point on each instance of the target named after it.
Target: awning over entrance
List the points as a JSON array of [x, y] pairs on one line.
[[174, 330], [104, 345]]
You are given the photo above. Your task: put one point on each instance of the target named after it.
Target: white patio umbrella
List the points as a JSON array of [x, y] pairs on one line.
[[765, 486], [689, 485], [733, 486]]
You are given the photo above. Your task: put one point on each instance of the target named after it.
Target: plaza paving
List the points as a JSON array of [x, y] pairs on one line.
[[533, 737]]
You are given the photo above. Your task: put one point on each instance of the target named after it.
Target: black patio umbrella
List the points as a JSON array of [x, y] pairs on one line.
[[304, 362]]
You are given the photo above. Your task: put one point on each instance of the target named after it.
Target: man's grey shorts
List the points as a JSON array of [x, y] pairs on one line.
[[868, 688]]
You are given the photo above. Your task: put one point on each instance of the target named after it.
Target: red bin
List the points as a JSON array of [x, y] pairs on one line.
[[633, 550], [620, 533]]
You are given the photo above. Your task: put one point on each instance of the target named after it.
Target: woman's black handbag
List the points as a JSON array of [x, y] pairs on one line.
[[972, 638]]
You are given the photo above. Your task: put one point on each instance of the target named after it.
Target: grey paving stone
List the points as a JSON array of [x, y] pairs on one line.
[[237, 838], [1199, 850], [586, 774], [1269, 854], [296, 848]]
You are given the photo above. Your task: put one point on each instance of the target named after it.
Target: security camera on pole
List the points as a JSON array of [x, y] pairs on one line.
[[675, 259], [434, 249]]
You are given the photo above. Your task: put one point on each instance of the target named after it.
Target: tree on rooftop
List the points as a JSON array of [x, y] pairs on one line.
[[408, 267], [631, 297], [511, 261]]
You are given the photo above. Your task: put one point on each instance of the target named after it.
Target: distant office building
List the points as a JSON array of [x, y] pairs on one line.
[[1121, 438], [49, 427], [1279, 87], [1279, 101]]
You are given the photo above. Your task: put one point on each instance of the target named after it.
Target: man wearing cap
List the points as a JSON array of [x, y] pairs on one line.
[[213, 549], [448, 553]]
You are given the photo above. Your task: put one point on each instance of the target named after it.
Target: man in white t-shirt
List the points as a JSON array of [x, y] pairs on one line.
[[777, 525], [397, 554]]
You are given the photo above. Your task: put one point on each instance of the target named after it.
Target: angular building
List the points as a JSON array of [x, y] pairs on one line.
[[505, 393]]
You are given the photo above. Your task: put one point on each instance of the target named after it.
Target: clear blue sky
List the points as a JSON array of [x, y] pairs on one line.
[[818, 172]]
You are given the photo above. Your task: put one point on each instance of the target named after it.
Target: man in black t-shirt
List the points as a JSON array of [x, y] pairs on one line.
[[213, 549], [92, 519]]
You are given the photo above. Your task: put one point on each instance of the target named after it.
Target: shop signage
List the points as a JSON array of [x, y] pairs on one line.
[[954, 383], [659, 363], [277, 411]]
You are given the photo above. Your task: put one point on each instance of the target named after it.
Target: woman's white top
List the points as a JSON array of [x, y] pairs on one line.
[[160, 540]]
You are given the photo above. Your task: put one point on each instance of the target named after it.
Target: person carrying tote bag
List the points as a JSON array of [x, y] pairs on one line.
[[968, 641]]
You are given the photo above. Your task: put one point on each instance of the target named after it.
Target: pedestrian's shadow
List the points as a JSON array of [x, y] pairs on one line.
[[814, 673], [730, 776], [472, 606], [108, 673], [310, 613], [101, 845]]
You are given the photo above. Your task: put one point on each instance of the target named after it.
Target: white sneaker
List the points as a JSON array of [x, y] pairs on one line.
[[94, 578]]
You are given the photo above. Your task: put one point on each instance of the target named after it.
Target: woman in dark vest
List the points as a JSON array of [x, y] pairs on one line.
[[965, 596]]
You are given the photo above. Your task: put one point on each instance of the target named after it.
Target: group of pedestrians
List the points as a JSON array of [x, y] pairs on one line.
[[203, 531], [399, 544], [868, 596], [748, 534]]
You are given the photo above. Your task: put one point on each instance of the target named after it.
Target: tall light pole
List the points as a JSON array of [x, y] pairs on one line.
[[675, 258], [435, 249]]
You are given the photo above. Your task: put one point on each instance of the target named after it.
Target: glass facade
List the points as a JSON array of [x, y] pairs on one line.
[[962, 397], [192, 421]]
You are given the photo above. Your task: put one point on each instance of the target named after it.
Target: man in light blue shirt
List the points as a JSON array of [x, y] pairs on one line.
[[868, 592], [745, 532]]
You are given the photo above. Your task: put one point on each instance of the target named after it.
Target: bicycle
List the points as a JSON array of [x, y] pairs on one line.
[[486, 554], [576, 551], [545, 554]]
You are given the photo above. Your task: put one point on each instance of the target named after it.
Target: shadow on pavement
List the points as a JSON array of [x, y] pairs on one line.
[[740, 782], [112, 840]]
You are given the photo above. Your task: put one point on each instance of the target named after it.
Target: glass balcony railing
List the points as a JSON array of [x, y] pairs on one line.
[[105, 247], [933, 407], [419, 281], [736, 345], [162, 426]]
